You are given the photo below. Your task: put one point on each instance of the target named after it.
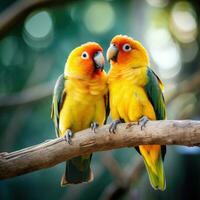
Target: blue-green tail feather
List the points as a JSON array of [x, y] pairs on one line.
[[77, 170]]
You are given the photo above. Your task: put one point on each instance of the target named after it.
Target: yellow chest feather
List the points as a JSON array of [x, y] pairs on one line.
[[128, 99], [84, 103]]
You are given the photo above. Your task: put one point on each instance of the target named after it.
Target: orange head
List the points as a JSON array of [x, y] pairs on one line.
[[127, 52], [85, 61]]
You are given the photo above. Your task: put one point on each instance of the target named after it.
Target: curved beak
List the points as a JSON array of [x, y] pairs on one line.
[[112, 53], [99, 60]]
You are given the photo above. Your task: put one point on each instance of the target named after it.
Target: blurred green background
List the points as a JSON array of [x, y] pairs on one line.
[[33, 55]]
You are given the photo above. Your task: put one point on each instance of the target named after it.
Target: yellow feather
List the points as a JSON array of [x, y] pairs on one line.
[[128, 100], [84, 103]]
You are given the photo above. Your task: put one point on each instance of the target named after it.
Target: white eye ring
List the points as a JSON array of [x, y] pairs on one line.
[[126, 47], [84, 55]]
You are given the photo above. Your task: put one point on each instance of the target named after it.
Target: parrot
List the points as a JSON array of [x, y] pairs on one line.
[[136, 95], [80, 101]]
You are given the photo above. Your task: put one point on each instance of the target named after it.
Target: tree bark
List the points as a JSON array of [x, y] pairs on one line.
[[52, 152]]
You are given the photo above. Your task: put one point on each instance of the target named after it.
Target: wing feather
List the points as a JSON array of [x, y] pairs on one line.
[[154, 89], [59, 96]]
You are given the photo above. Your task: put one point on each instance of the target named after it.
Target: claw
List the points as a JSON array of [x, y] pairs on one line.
[[94, 126], [113, 126], [142, 121], [68, 136]]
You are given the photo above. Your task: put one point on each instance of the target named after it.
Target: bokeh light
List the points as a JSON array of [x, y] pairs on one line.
[[38, 30], [99, 17], [158, 3], [164, 51], [183, 22], [74, 13]]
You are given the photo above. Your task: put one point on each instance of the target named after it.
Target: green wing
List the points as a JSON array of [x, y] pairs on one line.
[[153, 89], [58, 99]]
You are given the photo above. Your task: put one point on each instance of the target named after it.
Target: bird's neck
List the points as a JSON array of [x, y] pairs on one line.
[[128, 75], [94, 86]]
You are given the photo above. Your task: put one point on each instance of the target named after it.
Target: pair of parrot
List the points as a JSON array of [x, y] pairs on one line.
[[84, 95]]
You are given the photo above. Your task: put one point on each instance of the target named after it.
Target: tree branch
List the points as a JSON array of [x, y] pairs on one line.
[[117, 190], [113, 167], [27, 96], [20, 9], [191, 84], [50, 153]]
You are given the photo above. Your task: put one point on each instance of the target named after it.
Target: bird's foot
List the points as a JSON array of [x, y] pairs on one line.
[[113, 126], [94, 126], [142, 121], [68, 136]]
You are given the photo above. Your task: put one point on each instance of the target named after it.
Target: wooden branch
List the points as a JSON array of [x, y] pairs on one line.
[[27, 96], [50, 153], [20, 9], [116, 190], [113, 167], [191, 84]]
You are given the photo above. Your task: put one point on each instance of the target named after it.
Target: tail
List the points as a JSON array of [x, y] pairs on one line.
[[154, 165], [77, 171]]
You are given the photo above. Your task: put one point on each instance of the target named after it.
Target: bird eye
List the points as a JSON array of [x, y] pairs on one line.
[[84, 55], [126, 47]]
